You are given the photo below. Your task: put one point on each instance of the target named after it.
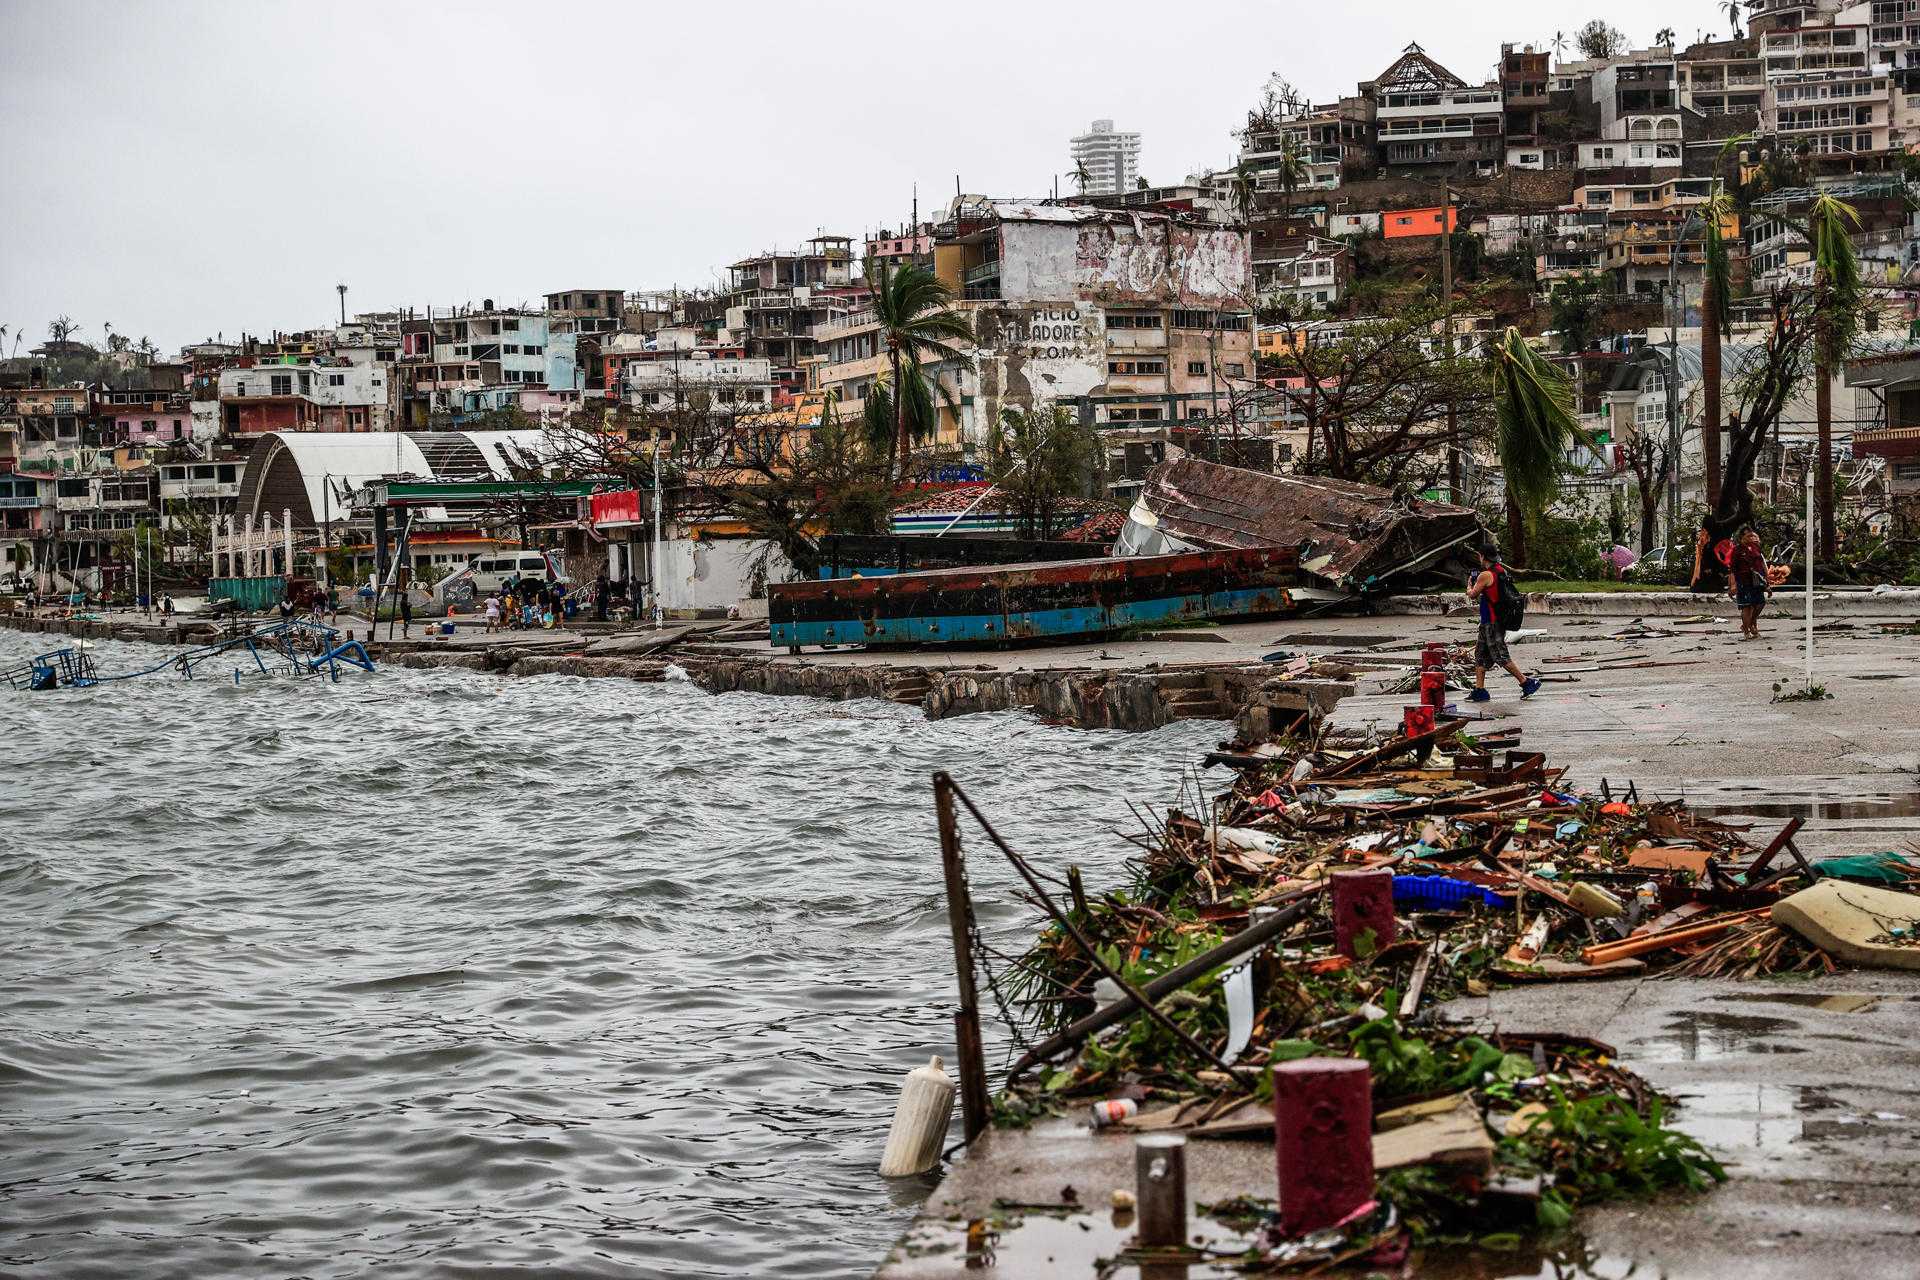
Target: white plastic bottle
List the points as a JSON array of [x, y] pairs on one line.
[[919, 1122]]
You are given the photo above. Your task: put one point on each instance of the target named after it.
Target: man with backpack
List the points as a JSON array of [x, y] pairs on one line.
[[1502, 608]]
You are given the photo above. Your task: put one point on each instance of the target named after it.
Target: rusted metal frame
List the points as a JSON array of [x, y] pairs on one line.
[[975, 1107], [1080, 939]]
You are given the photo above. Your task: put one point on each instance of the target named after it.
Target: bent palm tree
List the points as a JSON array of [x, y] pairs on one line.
[[1664, 38], [1535, 423], [1733, 10], [1836, 292], [917, 321]]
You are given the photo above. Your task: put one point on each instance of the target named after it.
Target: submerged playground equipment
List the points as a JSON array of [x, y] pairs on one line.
[[293, 648]]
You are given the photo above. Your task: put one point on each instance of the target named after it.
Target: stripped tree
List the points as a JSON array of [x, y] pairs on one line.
[[1534, 427]]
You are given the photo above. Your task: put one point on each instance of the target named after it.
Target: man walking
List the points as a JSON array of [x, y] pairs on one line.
[[1490, 649]]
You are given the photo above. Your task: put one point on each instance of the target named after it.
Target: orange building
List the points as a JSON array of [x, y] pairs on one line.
[[1399, 223]]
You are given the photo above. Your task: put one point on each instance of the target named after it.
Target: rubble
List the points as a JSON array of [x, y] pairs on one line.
[[1499, 874]]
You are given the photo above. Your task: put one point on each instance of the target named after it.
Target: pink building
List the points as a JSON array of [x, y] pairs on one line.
[[150, 417]]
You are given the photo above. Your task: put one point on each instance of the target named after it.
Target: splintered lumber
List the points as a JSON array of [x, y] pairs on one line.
[[1773, 848], [1630, 947]]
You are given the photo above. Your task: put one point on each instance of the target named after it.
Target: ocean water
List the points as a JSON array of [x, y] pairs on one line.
[[440, 973]]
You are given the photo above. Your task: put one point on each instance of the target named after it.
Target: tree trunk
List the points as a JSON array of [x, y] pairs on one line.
[[1516, 553], [1710, 378], [899, 412], [1649, 515], [1823, 461]]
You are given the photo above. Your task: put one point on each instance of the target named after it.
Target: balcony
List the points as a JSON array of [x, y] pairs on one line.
[[12, 502], [982, 273]]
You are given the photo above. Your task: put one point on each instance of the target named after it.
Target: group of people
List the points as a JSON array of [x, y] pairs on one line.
[[608, 592], [527, 604]]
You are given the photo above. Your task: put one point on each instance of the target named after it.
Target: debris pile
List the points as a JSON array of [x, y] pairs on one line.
[[1340, 888]]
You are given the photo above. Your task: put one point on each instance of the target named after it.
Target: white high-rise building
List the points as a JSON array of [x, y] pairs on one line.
[[1112, 160]]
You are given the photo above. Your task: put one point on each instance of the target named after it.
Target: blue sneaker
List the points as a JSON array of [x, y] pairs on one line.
[[1529, 686], [1479, 695]]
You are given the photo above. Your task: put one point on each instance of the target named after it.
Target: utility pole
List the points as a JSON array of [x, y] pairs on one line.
[[1446, 323], [342, 290]]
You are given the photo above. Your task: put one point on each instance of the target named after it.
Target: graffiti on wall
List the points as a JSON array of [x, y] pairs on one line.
[[1164, 263], [1029, 355]]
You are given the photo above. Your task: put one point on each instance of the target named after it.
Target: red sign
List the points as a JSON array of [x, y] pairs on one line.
[[622, 506]]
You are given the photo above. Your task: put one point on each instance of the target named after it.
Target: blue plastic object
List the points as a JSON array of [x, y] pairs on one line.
[[1443, 893]]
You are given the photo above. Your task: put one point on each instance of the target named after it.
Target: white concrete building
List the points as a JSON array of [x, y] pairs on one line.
[[1111, 158], [699, 380]]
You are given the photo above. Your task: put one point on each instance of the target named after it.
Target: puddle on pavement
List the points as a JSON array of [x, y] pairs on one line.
[[1566, 1257], [1694, 1035], [1730, 1115], [1902, 806], [1825, 1002]]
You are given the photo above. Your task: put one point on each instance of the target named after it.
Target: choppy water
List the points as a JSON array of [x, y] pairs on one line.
[[434, 973]]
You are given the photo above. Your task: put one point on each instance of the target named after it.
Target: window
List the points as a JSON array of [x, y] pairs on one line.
[[1137, 368], [1284, 450], [510, 324], [336, 379], [227, 474], [1126, 320], [1236, 370], [1131, 413], [177, 430], [1196, 368], [280, 384], [149, 426]]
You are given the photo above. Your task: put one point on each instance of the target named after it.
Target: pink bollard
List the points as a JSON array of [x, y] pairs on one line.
[[1362, 901], [1322, 1140]]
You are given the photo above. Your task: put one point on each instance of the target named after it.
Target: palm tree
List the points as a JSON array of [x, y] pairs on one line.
[[1716, 321], [1836, 285], [917, 320], [1241, 186], [1081, 176], [61, 327], [1734, 14], [1664, 38], [1291, 168], [1535, 423], [1559, 45]]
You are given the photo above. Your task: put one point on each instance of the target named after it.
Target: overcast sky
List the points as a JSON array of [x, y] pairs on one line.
[[178, 169]]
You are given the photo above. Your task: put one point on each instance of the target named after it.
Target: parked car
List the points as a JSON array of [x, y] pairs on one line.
[[1650, 565], [488, 572]]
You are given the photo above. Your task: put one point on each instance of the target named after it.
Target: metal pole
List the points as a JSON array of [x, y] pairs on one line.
[[326, 531], [972, 1062], [659, 607], [1809, 578], [1673, 389]]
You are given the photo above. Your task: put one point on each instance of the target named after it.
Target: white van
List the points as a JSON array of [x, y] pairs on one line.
[[488, 572]]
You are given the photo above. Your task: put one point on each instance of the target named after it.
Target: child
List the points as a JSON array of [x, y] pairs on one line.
[[493, 613]]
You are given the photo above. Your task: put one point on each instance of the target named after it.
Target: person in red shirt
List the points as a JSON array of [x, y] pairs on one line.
[[1747, 581]]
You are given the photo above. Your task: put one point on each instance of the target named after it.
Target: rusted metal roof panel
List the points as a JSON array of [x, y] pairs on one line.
[[1351, 535]]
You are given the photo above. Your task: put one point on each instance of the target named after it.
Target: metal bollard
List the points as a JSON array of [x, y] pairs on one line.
[[1362, 901], [1160, 1185], [1323, 1140]]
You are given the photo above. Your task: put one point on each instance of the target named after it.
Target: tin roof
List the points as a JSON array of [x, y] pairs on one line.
[[1349, 534]]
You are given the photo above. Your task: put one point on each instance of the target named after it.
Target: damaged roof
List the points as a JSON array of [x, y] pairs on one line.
[[1354, 536]]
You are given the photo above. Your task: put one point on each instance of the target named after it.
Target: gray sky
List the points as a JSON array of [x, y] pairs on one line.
[[182, 168]]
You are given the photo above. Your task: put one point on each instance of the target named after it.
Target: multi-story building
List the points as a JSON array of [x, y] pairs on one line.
[[722, 385], [1142, 317], [1721, 76], [150, 417], [1425, 117], [511, 344], [317, 395], [775, 301], [1829, 114], [1524, 77], [1109, 158], [1327, 141]]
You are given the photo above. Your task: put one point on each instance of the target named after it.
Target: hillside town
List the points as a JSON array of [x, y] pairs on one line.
[[1650, 218]]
